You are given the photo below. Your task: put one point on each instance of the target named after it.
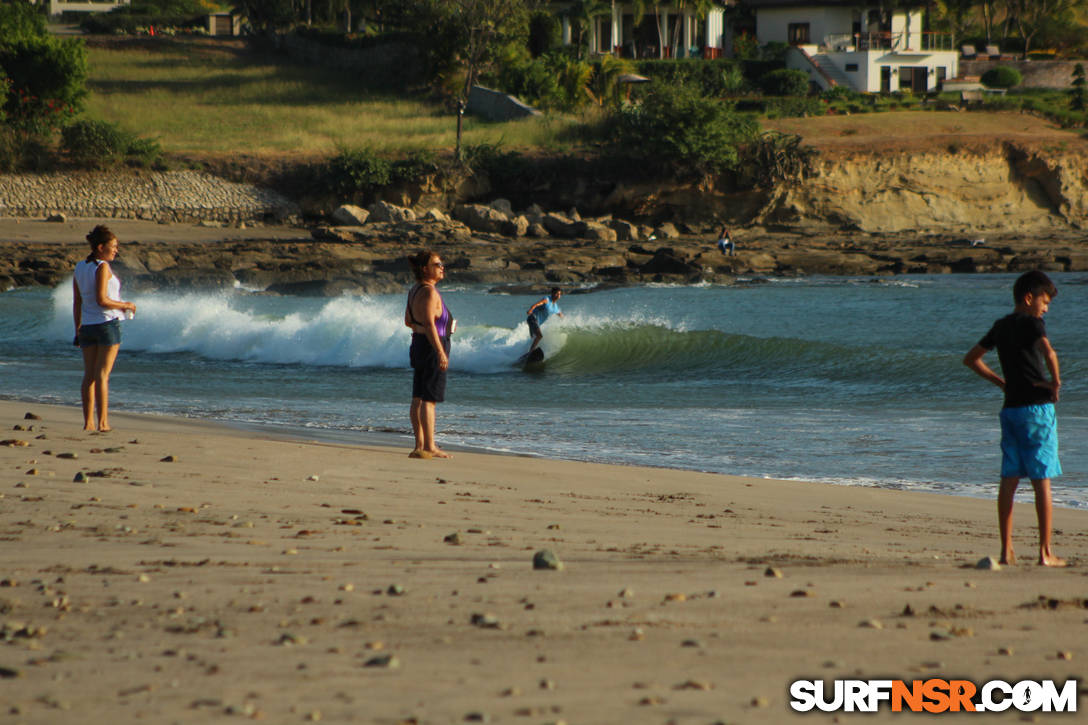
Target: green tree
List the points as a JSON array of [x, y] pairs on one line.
[[47, 75], [994, 12], [676, 129], [958, 16], [1079, 92], [1030, 16], [472, 33]]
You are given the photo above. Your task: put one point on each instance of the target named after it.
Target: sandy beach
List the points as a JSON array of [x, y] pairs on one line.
[[195, 573]]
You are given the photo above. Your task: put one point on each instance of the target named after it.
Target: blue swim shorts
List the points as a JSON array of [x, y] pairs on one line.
[[107, 333], [1029, 442], [534, 326]]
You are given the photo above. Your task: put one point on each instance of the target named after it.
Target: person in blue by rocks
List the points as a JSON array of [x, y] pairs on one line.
[[540, 312], [725, 243], [1029, 429]]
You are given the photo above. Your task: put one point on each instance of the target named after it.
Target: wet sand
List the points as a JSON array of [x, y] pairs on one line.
[[200, 572]]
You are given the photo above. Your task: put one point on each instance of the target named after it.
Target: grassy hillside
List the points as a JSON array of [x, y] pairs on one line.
[[215, 97], [218, 97]]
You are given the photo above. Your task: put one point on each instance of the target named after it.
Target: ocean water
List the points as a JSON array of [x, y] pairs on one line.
[[855, 381]]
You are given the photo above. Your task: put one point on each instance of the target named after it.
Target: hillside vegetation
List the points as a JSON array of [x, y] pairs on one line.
[[220, 97]]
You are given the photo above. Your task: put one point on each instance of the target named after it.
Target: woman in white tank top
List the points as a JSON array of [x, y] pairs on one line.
[[98, 310]]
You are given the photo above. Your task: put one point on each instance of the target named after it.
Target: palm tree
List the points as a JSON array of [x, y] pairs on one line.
[[582, 13], [698, 8]]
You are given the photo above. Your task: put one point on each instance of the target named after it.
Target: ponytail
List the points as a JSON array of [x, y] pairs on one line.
[[418, 261], [97, 237]]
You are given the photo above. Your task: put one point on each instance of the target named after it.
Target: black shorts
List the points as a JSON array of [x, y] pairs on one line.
[[428, 380], [106, 333], [534, 326]]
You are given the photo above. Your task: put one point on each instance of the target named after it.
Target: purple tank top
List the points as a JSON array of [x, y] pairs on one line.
[[442, 324]]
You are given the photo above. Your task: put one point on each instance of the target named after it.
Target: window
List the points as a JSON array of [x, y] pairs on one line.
[[798, 33], [851, 67], [906, 75]]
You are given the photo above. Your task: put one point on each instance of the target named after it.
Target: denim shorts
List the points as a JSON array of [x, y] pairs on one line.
[[1029, 442], [106, 333]]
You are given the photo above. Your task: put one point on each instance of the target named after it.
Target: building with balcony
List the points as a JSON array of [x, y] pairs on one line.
[[864, 46], [663, 30]]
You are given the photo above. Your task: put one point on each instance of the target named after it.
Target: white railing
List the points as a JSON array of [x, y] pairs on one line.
[[853, 42]]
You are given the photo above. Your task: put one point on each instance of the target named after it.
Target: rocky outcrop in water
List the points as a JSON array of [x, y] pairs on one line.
[[373, 259]]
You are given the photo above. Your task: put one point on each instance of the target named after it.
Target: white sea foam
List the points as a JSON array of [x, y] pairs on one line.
[[347, 331]]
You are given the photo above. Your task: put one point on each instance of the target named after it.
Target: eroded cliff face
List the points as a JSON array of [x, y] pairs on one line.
[[1009, 188]]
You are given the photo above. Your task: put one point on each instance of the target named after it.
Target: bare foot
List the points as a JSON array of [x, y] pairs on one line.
[[1008, 559], [419, 453], [105, 430], [1051, 560], [439, 453]]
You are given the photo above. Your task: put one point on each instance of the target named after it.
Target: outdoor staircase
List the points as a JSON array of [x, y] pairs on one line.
[[831, 71]]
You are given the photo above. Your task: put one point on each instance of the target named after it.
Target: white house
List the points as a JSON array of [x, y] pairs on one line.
[[672, 33], [859, 44]]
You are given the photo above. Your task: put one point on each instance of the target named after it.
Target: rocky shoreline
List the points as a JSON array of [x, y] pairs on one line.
[[328, 261], [1003, 209]]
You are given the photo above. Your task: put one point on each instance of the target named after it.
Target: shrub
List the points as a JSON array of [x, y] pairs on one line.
[[745, 47], [355, 171], [1001, 76], [533, 82], [412, 169], [22, 150], [794, 107], [98, 144], [605, 81], [840, 93], [46, 74], [784, 82], [674, 129], [143, 13], [556, 80], [711, 77]]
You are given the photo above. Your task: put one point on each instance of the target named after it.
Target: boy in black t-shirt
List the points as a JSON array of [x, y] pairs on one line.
[[1029, 431]]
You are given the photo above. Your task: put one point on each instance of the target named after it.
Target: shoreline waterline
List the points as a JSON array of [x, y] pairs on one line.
[[847, 381]]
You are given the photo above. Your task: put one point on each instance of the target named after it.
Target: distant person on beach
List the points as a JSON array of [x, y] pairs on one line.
[[540, 312], [432, 324], [725, 242], [1029, 430], [98, 309]]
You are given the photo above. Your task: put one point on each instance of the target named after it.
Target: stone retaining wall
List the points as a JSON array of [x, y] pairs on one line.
[[170, 196], [1036, 73]]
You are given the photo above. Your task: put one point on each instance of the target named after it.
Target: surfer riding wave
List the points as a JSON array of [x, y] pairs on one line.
[[539, 313]]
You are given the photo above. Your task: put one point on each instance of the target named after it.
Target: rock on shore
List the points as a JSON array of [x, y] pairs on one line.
[[373, 258]]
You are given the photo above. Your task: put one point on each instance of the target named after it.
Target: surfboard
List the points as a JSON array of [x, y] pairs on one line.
[[531, 358]]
